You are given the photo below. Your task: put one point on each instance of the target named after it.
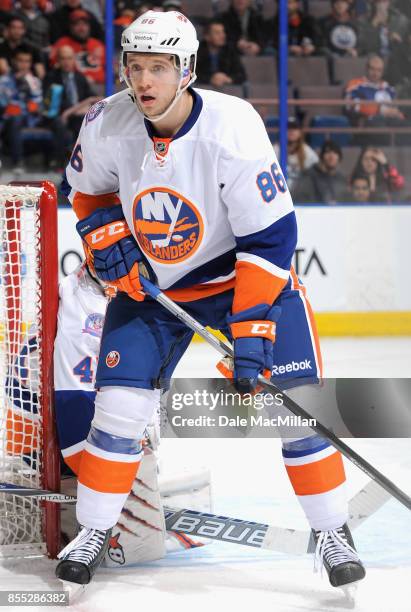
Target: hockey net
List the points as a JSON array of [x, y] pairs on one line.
[[28, 314]]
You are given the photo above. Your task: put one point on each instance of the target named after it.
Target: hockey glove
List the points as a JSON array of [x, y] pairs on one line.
[[112, 251], [253, 331]]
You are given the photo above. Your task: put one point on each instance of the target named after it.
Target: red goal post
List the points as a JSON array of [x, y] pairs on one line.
[[28, 316]]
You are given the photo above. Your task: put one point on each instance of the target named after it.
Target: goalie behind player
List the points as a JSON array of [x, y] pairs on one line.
[[139, 535], [204, 204]]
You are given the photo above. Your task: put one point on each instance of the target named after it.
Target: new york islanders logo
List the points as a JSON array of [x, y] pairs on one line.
[[115, 550], [169, 228], [112, 359]]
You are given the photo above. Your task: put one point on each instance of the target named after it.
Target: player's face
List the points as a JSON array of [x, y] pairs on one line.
[[154, 79]]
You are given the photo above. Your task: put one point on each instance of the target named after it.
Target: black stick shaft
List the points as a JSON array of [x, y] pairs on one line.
[[292, 406], [344, 449]]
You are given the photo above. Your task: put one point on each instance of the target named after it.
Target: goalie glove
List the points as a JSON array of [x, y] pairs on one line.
[[111, 250], [253, 332]]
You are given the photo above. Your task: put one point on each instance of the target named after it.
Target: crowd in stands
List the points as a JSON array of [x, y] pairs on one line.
[[52, 69]]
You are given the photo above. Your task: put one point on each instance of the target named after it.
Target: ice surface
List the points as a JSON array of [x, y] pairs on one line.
[[249, 481]]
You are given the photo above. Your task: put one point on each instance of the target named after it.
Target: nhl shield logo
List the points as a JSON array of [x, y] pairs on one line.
[[161, 146], [112, 359]]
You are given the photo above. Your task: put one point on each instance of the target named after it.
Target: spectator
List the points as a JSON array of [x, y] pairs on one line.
[[385, 28], [125, 16], [37, 25], [89, 51], [245, 27], [323, 182], [341, 32], [60, 21], [300, 156], [374, 99], [360, 189], [303, 34], [15, 37], [156, 6], [20, 103], [384, 178], [3, 21], [96, 8], [398, 68], [359, 8], [404, 7], [68, 96], [217, 63], [173, 5]]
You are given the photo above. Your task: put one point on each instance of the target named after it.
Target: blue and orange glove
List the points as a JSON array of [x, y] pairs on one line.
[[111, 250], [253, 332]]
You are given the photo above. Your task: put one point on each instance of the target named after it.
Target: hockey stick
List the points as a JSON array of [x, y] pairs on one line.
[[236, 531], [226, 350]]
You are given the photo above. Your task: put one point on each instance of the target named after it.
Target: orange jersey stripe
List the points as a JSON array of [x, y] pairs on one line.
[[85, 204], [254, 285], [106, 476], [73, 461], [198, 292], [317, 477], [296, 285]]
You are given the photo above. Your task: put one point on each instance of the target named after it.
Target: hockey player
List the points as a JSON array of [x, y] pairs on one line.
[[139, 535], [186, 181]]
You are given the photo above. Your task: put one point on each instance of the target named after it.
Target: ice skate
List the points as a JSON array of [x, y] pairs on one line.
[[335, 551], [82, 556]]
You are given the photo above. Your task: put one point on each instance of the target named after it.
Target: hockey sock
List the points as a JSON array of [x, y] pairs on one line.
[[316, 472], [112, 453]]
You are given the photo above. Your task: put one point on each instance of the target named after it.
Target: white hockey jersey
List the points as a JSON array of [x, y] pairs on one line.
[[80, 322], [206, 206]]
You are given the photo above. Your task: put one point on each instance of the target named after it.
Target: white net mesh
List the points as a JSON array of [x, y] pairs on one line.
[[20, 360]]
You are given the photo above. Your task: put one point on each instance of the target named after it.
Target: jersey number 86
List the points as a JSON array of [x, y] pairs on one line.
[[270, 182]]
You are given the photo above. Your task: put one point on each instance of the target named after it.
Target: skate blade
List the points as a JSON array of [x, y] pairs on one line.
[[350, 592], [74, 590]]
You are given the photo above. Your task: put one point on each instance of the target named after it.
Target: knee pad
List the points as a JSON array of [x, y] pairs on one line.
[[125, 411]]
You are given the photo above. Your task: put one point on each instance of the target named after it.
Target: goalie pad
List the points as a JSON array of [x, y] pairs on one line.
[[140, 536], [186, 489]]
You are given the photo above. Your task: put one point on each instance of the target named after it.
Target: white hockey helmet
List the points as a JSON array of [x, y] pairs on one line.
[[170, 33]]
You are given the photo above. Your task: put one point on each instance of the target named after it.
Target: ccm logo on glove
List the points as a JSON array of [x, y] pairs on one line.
[[247, 329], [103, 235], [263, 329]]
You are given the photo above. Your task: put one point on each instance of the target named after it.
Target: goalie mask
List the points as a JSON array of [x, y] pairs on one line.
[[168, 33]]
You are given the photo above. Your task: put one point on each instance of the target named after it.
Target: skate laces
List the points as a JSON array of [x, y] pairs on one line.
[[85, 546], [333, 546]]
